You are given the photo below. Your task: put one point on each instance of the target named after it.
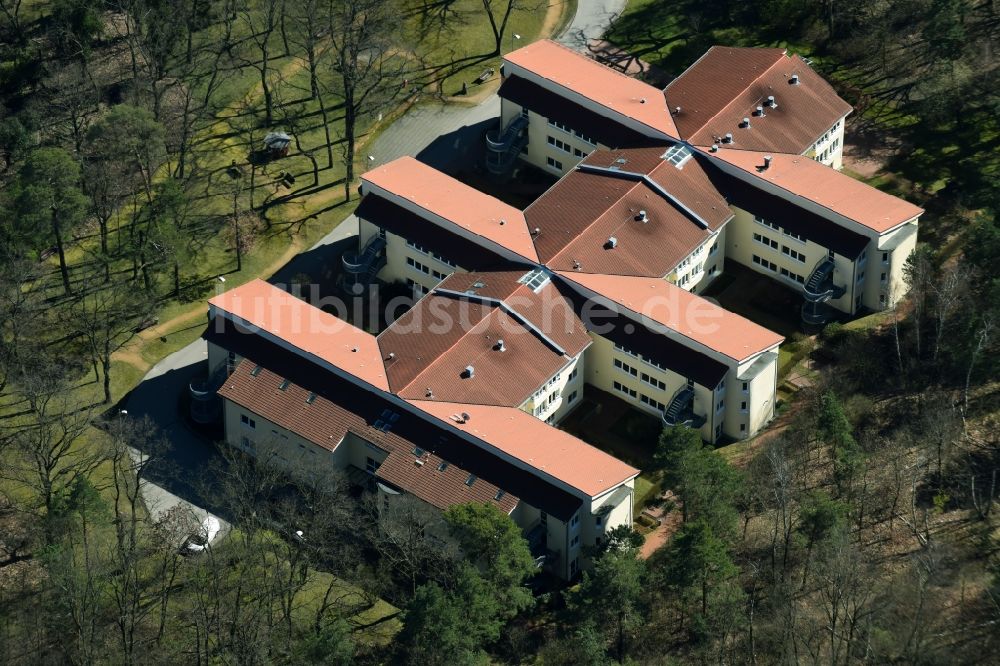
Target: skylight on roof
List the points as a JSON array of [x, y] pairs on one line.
[[499, 495], [472, 479], [535, 279], [256, 370], [386, 420], [677, 154], [283, 385], [443, 466], [311, 399]]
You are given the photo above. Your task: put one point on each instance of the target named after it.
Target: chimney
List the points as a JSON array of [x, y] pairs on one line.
[[643, 217], [715, 148], [760, 111], [728, 138], [612, 242], [767, 162], [746, 123], [771, 103], [469, 372], [499, 346], [794, 80]]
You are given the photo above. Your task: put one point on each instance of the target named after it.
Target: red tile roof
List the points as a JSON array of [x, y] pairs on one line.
[[456, 202], [611, 89], [429, 348], [678, 310], [577, 217], [326, 423], [522, 436], [727, 84], [317, 334], [831, 189]]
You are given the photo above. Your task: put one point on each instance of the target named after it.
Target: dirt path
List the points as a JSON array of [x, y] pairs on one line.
[[132, 353]]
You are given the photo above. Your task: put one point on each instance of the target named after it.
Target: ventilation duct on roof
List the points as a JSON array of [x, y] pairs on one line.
[[760, 111], [745, 124], [771, 103], [469, 372], [728, 138], [714, 148], [677, 110], [612, 242], [794, 80], [500, 346], [642, 217], [767, 162]]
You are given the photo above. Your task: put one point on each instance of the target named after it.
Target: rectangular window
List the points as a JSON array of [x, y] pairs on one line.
[[625, 367], [653, 381], [743, 427], [573, 374], [764, 240], [570, 398], [885, 257], [247, 444], [719, 405], [370, 465], [884, 278], [560, 144], [621, 388], [413, 263], [248, 422], [746, 386], [794, 254], [554, 163], [578, 153], [575, 542], [558, 125], [743, 406], [421, 249]]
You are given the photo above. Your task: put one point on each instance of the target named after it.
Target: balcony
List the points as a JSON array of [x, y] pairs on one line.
[[680, 411], [505, 145]]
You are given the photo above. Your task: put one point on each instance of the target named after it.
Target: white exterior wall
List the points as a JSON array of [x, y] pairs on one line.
[[551, 402], [539, 150], [602, 373], [741, 248], [702, 266], [753, 384], [888, 256], [829, 148]]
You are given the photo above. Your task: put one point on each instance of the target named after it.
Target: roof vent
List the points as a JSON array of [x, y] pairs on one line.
[[760, 111], [391, 356], [612, 242], [771, 103], [576, 265], [767, 162], [469, 372], [465, 417], [745, 124], [500, 346], [642, 217], [794, 80], [642, 100], [502, 221], [536, 231], [728, 138], [714, 148], [677, 110], [428, 393], [418, 462]]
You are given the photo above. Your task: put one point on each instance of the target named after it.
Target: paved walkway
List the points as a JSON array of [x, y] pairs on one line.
[[592, 20]]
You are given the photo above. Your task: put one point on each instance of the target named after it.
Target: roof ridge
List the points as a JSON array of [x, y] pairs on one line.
[[737, 95]]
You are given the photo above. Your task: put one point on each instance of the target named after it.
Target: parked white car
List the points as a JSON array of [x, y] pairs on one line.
[[198, 541]]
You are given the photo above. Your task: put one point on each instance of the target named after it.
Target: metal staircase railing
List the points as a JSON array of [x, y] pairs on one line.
[[504, 146], [819, 289], [680, 411]]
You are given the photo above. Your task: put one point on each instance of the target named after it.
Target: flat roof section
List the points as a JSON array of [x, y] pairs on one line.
[[315, 333], [613, 90], [683, 312], [522, 436], [456, 202], [827, 187]]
